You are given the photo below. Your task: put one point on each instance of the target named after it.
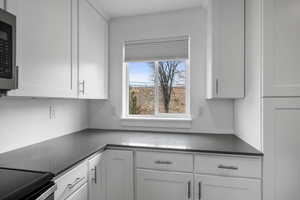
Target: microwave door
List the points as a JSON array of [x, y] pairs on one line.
[[7, 51]]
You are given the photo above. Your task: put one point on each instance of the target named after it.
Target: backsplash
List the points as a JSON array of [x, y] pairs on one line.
[[25, 121]]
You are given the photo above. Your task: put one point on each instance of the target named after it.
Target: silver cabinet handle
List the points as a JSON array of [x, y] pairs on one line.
[[95, 175], [189, 189], [217, 86], [17, 77], [228, 167], [200, 190], [82, 87], [162, 162], [77, 180]]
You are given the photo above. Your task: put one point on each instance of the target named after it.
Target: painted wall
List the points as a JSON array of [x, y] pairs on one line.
[[25, 121], [248, 110], [212, 116]]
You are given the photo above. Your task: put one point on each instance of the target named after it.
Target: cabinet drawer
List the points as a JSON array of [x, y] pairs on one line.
[[71, 181], [165, 161], [228, 166]]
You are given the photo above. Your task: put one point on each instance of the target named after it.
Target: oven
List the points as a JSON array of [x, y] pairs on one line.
[[44, 193], [8, 70]]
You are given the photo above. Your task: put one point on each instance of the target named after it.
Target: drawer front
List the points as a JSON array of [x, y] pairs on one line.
[[71, 181], [228, 166], [165, 161]]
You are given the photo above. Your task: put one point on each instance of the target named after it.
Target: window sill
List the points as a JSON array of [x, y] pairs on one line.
[[157, 122]]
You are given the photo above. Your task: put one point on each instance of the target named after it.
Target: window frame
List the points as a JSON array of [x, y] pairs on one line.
[[157, 114]]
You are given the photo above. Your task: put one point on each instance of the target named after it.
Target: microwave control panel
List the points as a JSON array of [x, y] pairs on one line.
[[6, 51]]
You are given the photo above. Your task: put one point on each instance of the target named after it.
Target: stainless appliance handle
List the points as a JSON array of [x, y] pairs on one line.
[[47, 193]]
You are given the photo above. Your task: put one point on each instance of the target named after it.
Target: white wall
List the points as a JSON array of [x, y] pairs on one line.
[[248, 110], [208, 116], [25, 121]]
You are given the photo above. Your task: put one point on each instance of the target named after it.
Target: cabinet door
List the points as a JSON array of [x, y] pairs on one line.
[[93, 31], [80, 194], [96, 178], [119, 175], [225, 49], [45, 57], [2, 4], [226, 188], [159, 185], [281, 148], [281, 57]]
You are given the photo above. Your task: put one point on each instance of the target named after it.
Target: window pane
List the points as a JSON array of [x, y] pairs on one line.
[[141, 88], [172, 86]]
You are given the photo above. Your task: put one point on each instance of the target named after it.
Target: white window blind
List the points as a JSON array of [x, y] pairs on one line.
[[157, 49]]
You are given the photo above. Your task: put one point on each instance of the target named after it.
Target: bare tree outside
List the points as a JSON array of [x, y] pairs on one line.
[[168, 79], [167, 73]]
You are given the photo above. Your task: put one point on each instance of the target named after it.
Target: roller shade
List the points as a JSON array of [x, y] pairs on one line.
[[157, 49]]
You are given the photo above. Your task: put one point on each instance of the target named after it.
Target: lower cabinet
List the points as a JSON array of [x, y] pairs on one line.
[[119, 175], [96, 177], [281, 175], [147, 175], [226, 188], [80, 194], [159, 185]]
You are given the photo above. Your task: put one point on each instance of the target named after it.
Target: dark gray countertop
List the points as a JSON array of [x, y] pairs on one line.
[[59, 154]]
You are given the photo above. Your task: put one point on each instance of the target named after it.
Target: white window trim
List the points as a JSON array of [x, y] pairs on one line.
[[186, 117]]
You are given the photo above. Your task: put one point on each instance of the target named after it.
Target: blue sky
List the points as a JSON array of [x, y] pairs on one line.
[[141, 72]]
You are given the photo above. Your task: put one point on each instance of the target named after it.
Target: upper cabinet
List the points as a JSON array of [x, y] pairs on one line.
[[225, 49], [281, 47], [93, 42], [2, 4], [45, 54], [59, 56]]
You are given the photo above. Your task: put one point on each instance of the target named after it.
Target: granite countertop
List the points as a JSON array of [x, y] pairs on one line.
[[59, 154]]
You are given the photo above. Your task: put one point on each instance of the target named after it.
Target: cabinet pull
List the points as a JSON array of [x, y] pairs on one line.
[[228, 167], [189, 189], [82, 87], [200, 190], [217, 86], [77, 180], [17, 77], [95, 175], [161, 162]]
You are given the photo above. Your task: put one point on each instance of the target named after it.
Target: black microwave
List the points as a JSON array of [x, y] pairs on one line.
[[8, 69]]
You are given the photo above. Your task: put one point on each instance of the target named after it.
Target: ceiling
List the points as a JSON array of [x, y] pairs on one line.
[[121, 8]]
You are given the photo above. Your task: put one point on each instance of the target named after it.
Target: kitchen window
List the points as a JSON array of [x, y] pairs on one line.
[[156, 79]]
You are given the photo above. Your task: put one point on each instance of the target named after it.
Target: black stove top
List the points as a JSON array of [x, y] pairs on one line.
[[17, 184]]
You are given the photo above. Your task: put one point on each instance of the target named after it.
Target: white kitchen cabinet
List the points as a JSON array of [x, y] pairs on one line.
[[161, 185], [226, 188], [119, 175], [2, 4], [93, 48], [96, 177], [80, 194], [71, 181], [46, 55], [225, 49], [281, 57], [281, 175]]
